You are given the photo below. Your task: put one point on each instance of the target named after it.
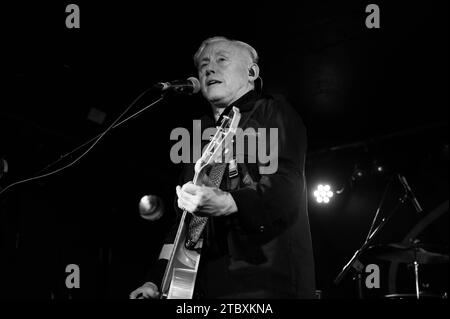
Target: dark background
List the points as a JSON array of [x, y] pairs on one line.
[[366, 96]]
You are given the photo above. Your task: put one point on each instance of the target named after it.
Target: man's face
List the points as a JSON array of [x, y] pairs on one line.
[[223, 73]]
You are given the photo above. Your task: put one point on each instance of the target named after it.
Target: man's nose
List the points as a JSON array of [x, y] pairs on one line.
[[209, 70]]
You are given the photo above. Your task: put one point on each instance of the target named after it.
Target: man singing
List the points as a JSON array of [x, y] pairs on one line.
[[257, 241]]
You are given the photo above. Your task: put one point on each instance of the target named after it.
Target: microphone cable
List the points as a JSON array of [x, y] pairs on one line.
[[96, 139]]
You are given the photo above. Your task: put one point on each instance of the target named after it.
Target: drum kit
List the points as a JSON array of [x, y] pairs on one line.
[[414, 254]]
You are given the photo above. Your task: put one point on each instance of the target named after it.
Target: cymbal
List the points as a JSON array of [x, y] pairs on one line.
[[407, 253], [422, 295]]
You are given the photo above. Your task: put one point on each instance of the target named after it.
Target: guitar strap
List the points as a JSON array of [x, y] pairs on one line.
[[198, 223]]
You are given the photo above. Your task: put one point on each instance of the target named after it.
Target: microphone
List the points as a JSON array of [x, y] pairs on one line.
[[151, 207], [410, 193], [189, 86]]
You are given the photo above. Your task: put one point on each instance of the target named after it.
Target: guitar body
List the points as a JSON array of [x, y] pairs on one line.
[[181, 271], [184, 270]]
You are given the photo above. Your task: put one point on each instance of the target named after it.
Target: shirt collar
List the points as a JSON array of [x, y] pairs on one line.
[[244, 104]]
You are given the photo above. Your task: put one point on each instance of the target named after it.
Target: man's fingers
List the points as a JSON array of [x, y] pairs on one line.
[[150, 293], [190, 188], [185, 205], [134, 294], [187, 196], [144, 293]]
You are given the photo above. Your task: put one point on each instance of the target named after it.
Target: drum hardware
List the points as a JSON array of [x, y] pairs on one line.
[[414, 254]]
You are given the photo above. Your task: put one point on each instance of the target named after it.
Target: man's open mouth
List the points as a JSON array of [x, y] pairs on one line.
[[212, 82]]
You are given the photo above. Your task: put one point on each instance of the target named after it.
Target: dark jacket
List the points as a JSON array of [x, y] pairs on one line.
[[264, 250]]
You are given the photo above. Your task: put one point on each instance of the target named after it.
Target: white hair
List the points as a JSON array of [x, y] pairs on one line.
[[251, 51]]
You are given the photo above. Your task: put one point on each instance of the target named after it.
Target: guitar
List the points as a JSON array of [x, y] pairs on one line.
[[181, 271]]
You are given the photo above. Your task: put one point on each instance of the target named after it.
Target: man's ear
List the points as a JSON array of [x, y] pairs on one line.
[[253, 72]]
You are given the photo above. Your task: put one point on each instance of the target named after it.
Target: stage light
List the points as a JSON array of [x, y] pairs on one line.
[[358, 174], [378, 168], [323, 194]]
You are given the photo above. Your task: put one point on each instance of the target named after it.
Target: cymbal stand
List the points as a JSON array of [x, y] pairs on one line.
[[354, 261]]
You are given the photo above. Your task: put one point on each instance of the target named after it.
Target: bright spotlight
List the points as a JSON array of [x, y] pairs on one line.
[[323, 194]]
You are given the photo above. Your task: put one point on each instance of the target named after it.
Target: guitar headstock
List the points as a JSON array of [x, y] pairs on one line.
[[218, 148]]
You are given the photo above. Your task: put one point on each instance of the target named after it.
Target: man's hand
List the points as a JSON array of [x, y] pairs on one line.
[[205, 201], [147, 291]]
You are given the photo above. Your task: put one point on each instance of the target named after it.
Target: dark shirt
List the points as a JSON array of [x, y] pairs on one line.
[[264, 250]]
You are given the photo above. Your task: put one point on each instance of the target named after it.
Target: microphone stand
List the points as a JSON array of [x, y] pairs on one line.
[[354, 261], [165, 88], [95, 138]]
